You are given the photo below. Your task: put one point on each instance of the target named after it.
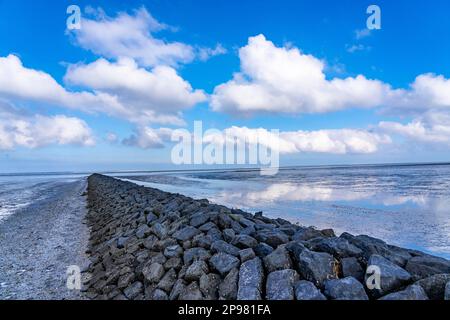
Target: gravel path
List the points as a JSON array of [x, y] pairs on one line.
[[39, 242]]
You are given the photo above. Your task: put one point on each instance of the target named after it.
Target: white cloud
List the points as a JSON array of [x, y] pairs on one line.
[[274, 79], [20, 83], [362, 33], [158, 95], [32, 131], [149, 138], [206, 53], [131, 36], [341, 141], [356, 47], [285, 80]]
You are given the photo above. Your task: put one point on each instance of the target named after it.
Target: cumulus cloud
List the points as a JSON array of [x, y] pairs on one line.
[[149, 138], [285, 80], [131, 35], [32, 131], [146, 96], [274, 79], [20, 83], [206, 53], [341, 141]]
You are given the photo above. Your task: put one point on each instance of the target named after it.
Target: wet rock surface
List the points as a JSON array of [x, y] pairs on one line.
[[149, 244]]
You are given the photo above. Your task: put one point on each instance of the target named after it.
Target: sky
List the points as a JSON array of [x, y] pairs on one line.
[[109, 95]]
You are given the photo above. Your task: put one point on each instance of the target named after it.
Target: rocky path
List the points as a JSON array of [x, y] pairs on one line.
[[38, 243], [150, 244]]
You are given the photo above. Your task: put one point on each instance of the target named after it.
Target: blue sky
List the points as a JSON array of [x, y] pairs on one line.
[[382, 113]]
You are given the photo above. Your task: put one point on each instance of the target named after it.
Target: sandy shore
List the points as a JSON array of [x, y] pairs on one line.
[[39, 242]]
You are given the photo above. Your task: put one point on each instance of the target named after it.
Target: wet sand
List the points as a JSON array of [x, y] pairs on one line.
[[39, 242]]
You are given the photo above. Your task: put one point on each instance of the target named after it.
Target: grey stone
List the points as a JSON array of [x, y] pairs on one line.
[[352, 268], [173, 263], [306, 290], [228, 235], [207, 226], [191, 292], [413, 292], [316, 266], [338, 247], [209, 285], [278, 260], [246, 254], [223, 262], [273, 238], [173, 251], [159, 294], [159, 230], [153, 272], [215, 234], [392, 277], [229, 286], [177, 289], [186, 233], [262, 249], [434, 285], [133, 291], [251, 277], [203, 241], [196, 270], [168, 280], [447, 291], [121, 241], [143, 231], [196, 253], [280, 284], [199, 219], [150, 218], [244, 241], [222, 246], [125, 280], [424, 266], [305, 234], [345, 289]]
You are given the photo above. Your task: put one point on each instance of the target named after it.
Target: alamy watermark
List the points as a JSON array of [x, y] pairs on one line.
[[233, 146]]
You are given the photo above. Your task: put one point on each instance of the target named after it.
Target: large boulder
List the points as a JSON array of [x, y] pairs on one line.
[[392, 277], [306, 290], [413, 292], [280, 285], [209, 285], [352, 268], [424, 266], [229, 287], [345, 289], [262, 249], [434, 285], [338, 247], [244, 241], [223, 262], [191, 292], [316, 266], [273, 238], [196, 270], [196, 253], [222, 246], [251, 277], [153, 272], [186, 233], [278, 260]]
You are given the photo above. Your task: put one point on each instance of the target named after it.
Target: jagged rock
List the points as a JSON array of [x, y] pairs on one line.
[[244, 241], [228, 235], [125, 280], [196, 270], [306, 290], [305, 234], [143, 231], [153, 272], [229, 286], [186, 233], [316, 266], [173, 263], [345, 289], [133, 291], [150, 218], [246, 254], [159, 230], [392, 277], [278, 260], [251, 276], [191, 292], [262, 249], [338, 247], [202, 241], [222, 246], [199, 219], [273, 238], [173, 251], [280, 284], [223, 262], [195, 254], [159, 294], [352, 268], [434, 285], [209, 285], [424, 266], [413, 292], [168, 280], [177, 289]]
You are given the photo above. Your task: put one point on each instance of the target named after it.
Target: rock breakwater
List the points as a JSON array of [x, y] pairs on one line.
[[150, 244]]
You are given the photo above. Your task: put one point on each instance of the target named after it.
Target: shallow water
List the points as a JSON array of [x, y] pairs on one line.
[[406, 205]]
